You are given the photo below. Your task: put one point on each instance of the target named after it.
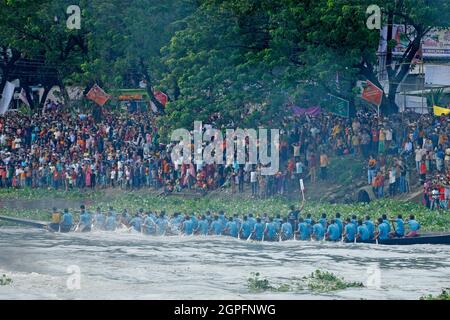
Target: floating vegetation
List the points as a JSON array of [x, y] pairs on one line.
[[318, 281], [5, 281], [444, 295], [324, 281]]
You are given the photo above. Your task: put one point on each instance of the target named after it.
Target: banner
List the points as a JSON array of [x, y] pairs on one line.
[[23, 97], [439, 111], [161, 97], [97, 95], [337, 106], [372, 93], [8, 93], [313, 111]]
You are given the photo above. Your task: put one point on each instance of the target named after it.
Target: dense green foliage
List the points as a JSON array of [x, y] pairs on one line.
[[233, 62]]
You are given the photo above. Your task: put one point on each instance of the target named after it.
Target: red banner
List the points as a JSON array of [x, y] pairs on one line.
[[161, 97], [372, 94], [97, 95]]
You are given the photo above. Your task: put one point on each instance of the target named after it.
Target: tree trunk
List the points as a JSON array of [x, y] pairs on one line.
[[47, 89]]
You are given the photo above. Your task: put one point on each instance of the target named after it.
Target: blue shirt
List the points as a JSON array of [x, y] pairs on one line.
[[350, 231], [111, 223], [150, 225], [278, 222], [370, 227], [232, 228], [100, 220], [388, 225], [400, 227], [383, 230], [246, 229], [308, 221], [217, 227], [259, 231], [363, 232], [67, 220], [414, 225], [333, 232], [318, 231], [162, 225], [272, 230], [323, 222], [303, 230], [136, 223], [203, 227], [188, 227], [252, 222], [194, 221], [286, 230], [339, 224], [85, 219], [223, 220]]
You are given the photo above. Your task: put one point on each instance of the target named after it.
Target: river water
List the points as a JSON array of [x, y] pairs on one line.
[[133, 266]]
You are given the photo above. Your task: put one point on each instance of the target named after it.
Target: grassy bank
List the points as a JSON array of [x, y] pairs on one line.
[[430, 220]]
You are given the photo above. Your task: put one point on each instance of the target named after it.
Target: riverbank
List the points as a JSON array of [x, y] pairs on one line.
[[37, 204]]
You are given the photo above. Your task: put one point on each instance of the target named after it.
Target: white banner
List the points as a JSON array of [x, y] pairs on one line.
[[8, 92]]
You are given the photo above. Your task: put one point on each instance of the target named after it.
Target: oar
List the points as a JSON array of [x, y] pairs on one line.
[[250, 237]]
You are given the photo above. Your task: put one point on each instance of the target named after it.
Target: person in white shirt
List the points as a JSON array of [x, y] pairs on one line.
[[254, 182]]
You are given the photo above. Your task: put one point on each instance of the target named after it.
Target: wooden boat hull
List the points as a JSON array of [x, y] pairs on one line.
[[430, 238], [31, 223]]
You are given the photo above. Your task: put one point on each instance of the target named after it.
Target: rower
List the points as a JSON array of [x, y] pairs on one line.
[[149, 225], [363, 231], [370, 226], [110, 224], [203, 226], [85, 220], [245, 229], [251, 220], [414, 227], [383, 230], [216, 227], [349, 231], [56, 220], [161, 223], [333, 232], [258, 230], [355, 221], [66, 222], [271, 230], [318, 231], [237, 220], [338, 222], [309, 220], [386, 220], [222, 219], [99, 219], [188, 226], [323, 221], [399, 231], [136, 222], [278, 221], [231, 228], [286, 230], [303, 230]]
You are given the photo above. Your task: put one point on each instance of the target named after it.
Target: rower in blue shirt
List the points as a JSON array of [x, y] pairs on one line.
[[258, 230], [309, 220], [363, 231], [278, 221], [231, 228], [333, 231], [349, 231], [383, 230], [194, 220], [246, 229], [66, 222], [203, 226], [414, 227], [161, 223], [318, 232], [370, 227], [303, 230], [85, 220], [237, 220], [216, 226], [271, 231], [110, 224], [386, 220], [286, 230], [136, 222], [323, 221], [149, 225], [251, 220], [188, 226], [399, 230], [339, 223], [99, 220], [222, 219], [355, 221]]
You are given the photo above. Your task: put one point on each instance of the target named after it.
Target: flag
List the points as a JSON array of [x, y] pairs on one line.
[[97, 95], [439, 111], [8, 93], [372, 93], [23, 97], [161, 97]]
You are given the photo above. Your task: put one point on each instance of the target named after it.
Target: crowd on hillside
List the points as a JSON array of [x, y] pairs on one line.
[[59, 149]]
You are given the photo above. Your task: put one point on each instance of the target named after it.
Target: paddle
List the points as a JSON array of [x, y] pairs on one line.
[[250, 236]]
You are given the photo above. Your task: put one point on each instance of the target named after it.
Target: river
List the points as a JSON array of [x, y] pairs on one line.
[[133, 266]]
